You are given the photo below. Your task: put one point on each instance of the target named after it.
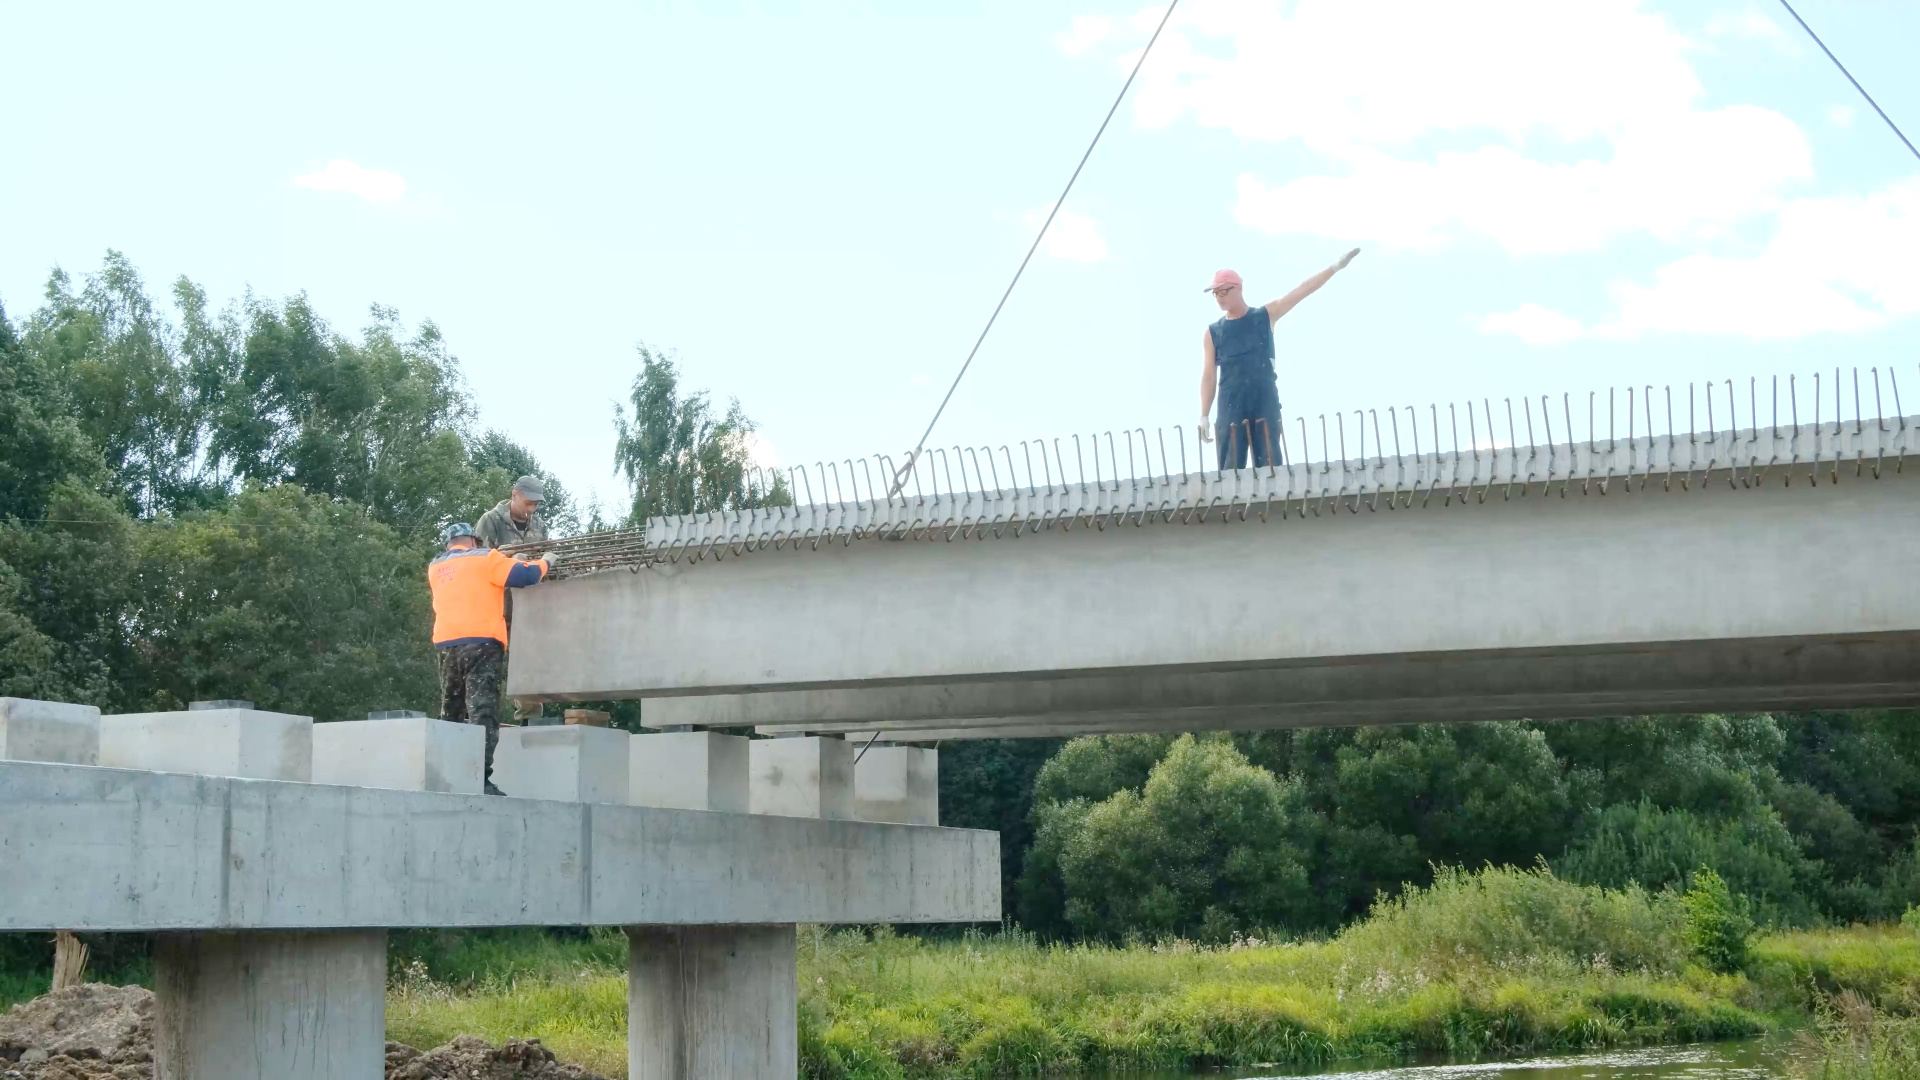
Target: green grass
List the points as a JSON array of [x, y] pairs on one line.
[[1489, 963], [1497, 962]]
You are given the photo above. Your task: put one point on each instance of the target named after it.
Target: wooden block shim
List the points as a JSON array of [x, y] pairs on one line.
[[589, 717]]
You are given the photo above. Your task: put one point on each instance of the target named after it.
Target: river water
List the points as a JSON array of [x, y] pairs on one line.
[[1746, 1059]]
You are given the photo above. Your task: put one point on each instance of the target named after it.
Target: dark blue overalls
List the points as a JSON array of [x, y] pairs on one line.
[[1247, 422]]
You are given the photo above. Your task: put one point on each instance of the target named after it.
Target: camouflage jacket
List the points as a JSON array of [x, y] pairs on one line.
[[497, 529]]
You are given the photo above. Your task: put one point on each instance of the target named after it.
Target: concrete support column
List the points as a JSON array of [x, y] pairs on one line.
[[712, 1003], [286, 1004]]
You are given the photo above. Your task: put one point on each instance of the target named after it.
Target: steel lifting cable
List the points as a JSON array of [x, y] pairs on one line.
[[1856, 82], [900, 477]]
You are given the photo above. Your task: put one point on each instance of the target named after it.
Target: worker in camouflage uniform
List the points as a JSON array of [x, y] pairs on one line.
[[516, 520], [470, 584]]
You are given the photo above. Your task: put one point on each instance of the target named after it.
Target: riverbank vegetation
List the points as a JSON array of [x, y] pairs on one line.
[[1496, 962]]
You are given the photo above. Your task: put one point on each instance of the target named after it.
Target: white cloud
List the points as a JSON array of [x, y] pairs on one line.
[[1538, 129], [1534, 325], [1747, 24], [1835, 265], [1087, 31], [1840, 115], [1072, 236], [1547, 127], [373, 185]]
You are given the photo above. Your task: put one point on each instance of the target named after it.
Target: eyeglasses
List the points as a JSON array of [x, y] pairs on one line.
[[1222, 290]]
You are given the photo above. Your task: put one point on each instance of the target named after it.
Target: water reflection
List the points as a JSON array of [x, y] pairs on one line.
[[1747, 1059]]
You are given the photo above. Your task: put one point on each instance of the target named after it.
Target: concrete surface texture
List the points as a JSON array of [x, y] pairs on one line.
[[897, 783], [809, 777], [712, 1003], [1423, 597], [210, 742], [49, 731], [569, 763], [190, 852], [407, 754], [689, 770], [286, 1005]]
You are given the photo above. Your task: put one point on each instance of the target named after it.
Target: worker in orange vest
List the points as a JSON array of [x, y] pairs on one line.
[[469, 585]]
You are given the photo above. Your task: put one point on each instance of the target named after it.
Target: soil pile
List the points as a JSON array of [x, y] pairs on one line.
[[475, 1059], [100, 1032], [87, 1032]]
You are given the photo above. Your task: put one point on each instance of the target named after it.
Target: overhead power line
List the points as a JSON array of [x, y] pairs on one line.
[[1856, 82], [900, 478]]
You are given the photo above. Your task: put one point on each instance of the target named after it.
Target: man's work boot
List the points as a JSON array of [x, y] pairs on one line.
[[491, 790]]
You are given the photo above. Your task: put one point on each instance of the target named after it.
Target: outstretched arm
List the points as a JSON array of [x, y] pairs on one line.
[[1277, 308]]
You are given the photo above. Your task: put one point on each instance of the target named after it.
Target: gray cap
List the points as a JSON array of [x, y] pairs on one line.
[[531, 487]]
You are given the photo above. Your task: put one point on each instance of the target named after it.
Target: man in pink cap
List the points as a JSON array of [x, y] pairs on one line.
[[1237, 356]]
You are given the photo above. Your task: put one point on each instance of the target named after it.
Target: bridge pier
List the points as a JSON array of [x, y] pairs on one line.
[[289, 1004], [712, 1003]]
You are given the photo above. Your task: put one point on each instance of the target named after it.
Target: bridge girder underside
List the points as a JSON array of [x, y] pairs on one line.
[[1672, 677]]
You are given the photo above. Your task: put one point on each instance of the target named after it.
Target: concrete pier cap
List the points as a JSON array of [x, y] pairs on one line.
[[808, 776], [563, 763], [410, 753], [240, 742], [690, 770], [49, 731], [897, 783]]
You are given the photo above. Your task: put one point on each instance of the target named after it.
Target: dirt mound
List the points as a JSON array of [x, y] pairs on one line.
[[470, 1058], [100, 1032], [112, 1025]]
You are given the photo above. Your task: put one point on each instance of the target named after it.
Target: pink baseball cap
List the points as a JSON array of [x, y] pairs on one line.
[[1223, 277]]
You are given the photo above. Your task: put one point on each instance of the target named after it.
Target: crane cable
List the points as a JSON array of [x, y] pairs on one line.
[[1856, 82], [900, 477]]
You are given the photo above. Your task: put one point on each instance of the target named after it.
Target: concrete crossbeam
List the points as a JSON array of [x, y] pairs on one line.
[[211, 742], [712, 1003], [801, 777], [49, 731], [573, 763], [689, 770], [405, 753], [208, 853], [291, 1005]]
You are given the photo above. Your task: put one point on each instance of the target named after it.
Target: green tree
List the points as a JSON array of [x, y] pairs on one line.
[[1640, 843], [1716, 929], [988, 784], [65, 589], [41, 442], [294, 601], [379, 423], [111, 354], [676, 456], [502, 461], [1210, 846]]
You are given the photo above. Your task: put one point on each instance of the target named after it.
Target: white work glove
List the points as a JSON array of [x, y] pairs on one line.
[[1345, 259], [1206, 428]]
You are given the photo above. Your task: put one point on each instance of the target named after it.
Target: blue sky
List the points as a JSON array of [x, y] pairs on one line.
[[816, 205]]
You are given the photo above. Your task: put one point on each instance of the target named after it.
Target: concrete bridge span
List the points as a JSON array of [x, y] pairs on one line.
[[1746, 568]]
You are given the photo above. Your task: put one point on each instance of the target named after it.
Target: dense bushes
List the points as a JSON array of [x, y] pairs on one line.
[[1153, 835]]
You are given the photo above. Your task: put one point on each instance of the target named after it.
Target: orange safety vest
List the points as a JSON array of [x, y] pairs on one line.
[[468, 590]]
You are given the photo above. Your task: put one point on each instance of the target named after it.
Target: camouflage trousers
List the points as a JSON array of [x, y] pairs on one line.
[[471, 675]]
